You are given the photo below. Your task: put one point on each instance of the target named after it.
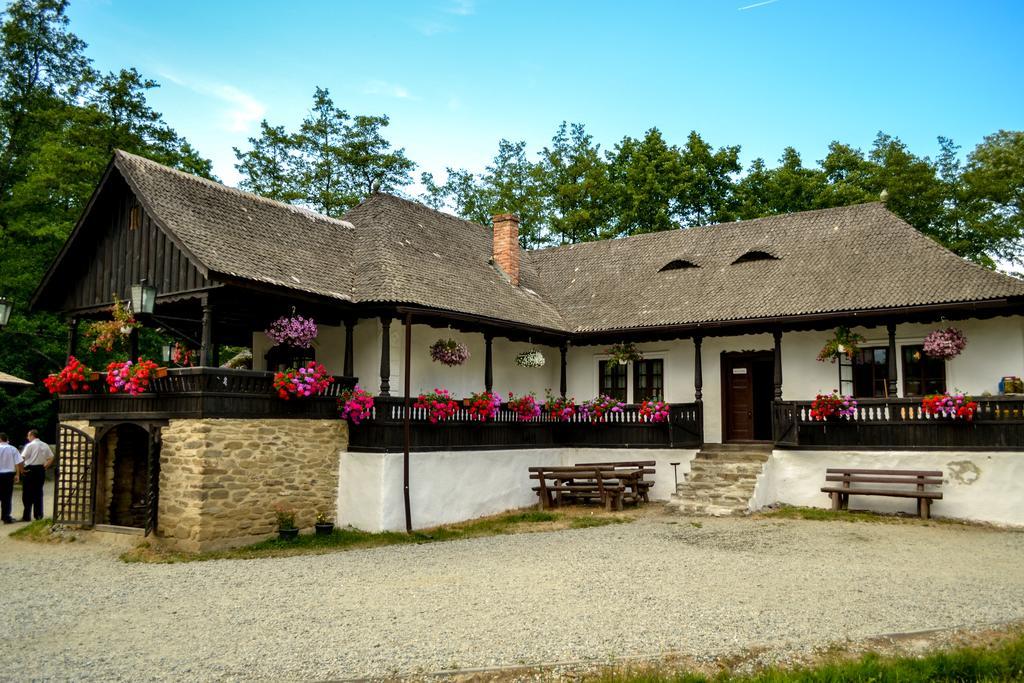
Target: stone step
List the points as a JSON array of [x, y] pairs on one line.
[[722, 482]]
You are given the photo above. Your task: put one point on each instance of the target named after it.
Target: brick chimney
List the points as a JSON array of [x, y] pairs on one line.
[[506, 245]]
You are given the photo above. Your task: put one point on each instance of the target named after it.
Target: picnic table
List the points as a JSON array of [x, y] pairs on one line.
[[610, 484]]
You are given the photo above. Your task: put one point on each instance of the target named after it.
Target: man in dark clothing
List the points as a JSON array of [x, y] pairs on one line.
[[37, 458]]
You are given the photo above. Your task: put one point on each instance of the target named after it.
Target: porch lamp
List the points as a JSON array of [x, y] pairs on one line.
[[5, 311], [143, 297], [165, 352]]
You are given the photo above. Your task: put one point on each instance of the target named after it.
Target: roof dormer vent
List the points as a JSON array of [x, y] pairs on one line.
[[755, 256], [677, 264]]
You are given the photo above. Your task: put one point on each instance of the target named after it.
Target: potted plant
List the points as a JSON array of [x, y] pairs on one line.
[[953, 406], [73, 378], [655, 411], [559, 407], [598, 409], [182, 356], [438, 404], [292, 330], [843, 342], [624, 352], [356, 405], [323, 526], [833, 407], [530, 359], [106, 334], [449, 352], [945, 344], [131, 377], [309, 380], [286, 529], [525, 407], [483, 406]]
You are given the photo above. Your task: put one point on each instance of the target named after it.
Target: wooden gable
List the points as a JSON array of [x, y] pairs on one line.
[[116, 244]]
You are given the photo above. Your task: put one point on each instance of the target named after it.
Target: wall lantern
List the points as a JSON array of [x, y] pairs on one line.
[[165, 352], [5, 311], [143, 297]]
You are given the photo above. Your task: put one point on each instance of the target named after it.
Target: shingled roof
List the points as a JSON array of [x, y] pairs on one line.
[[389, 249], [852, 258]]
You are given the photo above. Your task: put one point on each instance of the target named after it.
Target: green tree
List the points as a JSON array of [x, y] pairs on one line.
[[643, 173], [705, 184], [574, 181], [788, 188], [993, 192], [329, 164]]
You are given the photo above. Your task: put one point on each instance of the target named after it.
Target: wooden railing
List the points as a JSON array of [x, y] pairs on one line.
[[384, 430], [901, 423], [203, 392]]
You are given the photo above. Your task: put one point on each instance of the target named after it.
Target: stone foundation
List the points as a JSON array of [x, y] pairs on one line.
[[220, 478]]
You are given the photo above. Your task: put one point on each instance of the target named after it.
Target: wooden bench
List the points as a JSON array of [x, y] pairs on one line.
[[637, 470], [903, 483], [559, 485]]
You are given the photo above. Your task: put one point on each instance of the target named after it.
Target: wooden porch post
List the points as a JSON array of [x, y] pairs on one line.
[[72, 336], [563, 384], [206, 341], [385, 356], [133, 344], [349, 369], [698, 377], [406, 428], [488, 361], [777, 334], [892, 388]]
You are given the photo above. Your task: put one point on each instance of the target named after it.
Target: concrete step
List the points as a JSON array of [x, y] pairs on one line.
[[721, 484]]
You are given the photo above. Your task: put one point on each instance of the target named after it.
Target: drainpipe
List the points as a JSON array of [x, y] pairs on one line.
[[405, 451]]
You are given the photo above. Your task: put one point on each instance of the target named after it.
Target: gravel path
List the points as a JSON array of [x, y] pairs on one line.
[[659, 584]]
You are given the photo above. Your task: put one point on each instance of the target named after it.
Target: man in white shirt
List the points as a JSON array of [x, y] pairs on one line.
[[38, 457], [10, 471]]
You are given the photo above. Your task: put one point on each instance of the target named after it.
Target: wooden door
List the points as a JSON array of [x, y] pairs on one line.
[[738, 384]]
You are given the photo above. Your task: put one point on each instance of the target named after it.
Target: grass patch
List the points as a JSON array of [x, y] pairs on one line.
[[525, 521], [827, 515], [38, 531], [1002, 661]]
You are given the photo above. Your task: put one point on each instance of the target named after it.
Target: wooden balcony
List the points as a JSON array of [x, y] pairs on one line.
[[901, 424], [384, 431], [203, 393]]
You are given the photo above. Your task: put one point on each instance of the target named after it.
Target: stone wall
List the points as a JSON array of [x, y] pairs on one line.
[[219, 479]]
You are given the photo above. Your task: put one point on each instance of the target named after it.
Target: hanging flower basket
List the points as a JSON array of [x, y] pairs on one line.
[[130, 377], [945, 344], [106, 334], [309, 380], [832, 407], [293, 331], [449, 352], [843, 343], [530, 359], [72, 379], [356, 405], [624, 352], [952, 406]]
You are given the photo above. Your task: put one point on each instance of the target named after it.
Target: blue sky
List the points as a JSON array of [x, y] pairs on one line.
[[457, 75]]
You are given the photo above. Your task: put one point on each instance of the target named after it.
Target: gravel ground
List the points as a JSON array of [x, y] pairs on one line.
[[660, 584]]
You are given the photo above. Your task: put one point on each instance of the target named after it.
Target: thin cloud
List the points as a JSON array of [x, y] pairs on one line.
[[433, 28], [244, 110], [388, 89], [463, 8], [758, 4]]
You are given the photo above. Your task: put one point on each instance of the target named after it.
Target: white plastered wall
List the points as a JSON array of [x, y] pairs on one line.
[[454, 486], [979, 486]]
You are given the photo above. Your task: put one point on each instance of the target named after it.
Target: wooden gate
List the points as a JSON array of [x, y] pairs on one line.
[[75, 490], [152, 479]]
